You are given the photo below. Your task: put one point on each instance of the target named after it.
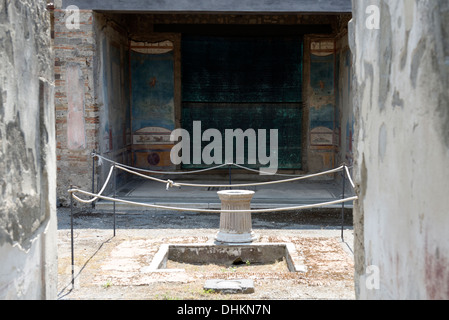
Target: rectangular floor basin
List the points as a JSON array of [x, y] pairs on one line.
[[257, 253]]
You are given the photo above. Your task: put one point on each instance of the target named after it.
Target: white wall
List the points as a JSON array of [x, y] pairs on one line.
[[402, 150], [29, 274], [28, 251]]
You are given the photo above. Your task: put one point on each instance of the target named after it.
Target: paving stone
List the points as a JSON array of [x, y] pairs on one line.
[[230, 286]]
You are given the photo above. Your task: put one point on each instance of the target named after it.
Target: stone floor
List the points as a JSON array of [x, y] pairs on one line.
[[115, 267], [295, 193]]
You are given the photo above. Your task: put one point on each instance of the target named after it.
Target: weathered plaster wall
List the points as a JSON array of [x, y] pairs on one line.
[[343, 101], [402, 150], [112, 92], [28, 256]]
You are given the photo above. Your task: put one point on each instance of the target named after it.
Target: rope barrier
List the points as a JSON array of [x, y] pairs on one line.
[[158, 172], [167, 182], [264, 172], [154, 206], [100, 192], [192, 172], [183, 184], [349, 177], [170, 183]]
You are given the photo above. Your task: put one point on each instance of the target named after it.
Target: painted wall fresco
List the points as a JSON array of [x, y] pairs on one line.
[[76, 133], [285, 118], [322, 75], [323, 127], [152, 96], [242, 69], [152, 90], [115, 123], [344, 104], [322, 82], [117, 100], [105, 144], [247, 83]]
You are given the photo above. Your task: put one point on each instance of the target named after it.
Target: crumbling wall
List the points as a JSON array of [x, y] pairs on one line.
[[28, 267], [402, 148]]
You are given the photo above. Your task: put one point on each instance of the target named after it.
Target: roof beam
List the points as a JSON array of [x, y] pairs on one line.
[[214, 6]]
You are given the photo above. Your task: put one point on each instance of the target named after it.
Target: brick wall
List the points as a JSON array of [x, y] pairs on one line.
[[74, 49]]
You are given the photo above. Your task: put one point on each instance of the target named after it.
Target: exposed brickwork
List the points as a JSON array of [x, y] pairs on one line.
[[74, 46]]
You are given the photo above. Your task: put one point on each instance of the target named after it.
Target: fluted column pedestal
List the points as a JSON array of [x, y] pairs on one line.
[[235, 227]]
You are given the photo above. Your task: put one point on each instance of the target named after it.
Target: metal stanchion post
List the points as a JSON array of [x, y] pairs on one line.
[[115, 193], [93, 176], [343, 204], [71, 240]]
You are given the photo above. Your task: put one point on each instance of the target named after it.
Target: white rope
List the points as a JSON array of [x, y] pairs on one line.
[[179, 184], [261, 183], [100, 192], [349, 177], [157, 172], [169, 183], [72, 191], [261, 172]]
